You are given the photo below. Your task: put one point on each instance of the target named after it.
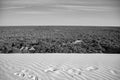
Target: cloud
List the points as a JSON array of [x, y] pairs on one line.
[[95, 3], [58, 6], [5, 8], [59, 11]]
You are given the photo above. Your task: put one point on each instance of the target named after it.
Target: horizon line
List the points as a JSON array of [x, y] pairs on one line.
[[61, 25]]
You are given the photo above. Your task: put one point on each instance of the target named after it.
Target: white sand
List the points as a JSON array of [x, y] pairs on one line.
[[59, 67]]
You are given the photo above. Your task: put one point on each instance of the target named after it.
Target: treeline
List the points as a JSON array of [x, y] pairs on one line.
[[60, 45]]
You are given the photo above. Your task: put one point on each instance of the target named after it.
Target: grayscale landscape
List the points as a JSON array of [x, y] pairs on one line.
[[59, 39]]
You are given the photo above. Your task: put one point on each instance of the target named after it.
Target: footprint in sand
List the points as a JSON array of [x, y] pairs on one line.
[[16, 73], [74, 71], [27, 74], [92, 68], [51, 69], [20, 74], [33, 77], [115, 72]]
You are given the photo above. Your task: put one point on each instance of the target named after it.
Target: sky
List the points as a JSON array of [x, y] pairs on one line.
[[60, 12]]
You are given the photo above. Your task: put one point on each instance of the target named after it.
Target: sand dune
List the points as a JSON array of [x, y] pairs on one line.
[[59, 67]]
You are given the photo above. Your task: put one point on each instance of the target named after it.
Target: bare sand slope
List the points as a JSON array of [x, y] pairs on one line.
[[59, 67]]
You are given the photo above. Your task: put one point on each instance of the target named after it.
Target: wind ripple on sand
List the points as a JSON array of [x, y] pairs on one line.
[[37, 68]]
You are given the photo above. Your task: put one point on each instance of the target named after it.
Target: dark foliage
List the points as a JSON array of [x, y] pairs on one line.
[[53, 39]]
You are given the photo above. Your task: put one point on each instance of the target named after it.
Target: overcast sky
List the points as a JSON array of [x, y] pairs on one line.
[[60, 12]]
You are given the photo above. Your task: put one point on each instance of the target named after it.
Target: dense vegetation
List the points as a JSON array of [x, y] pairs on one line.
[[59, 39]]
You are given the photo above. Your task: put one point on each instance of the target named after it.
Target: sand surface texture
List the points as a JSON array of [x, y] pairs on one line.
[[59, 67]]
